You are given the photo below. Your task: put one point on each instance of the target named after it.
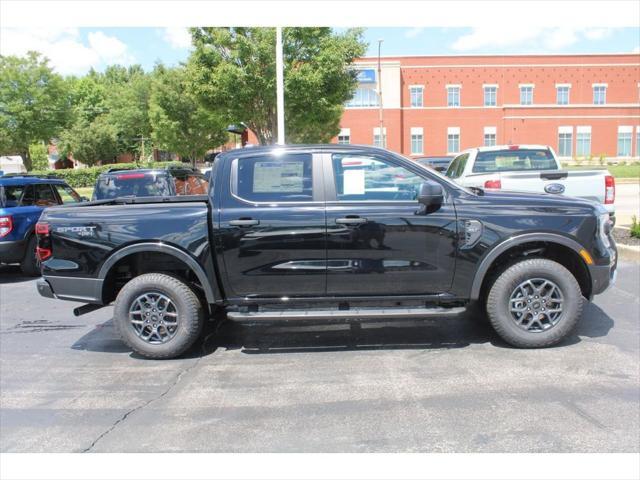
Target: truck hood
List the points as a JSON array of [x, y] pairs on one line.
[[524, 199]]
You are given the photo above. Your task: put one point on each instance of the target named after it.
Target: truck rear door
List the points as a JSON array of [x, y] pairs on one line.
[[272, 225]]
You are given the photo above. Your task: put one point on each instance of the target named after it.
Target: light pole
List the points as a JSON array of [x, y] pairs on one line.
[[279, 86], [382, 142]]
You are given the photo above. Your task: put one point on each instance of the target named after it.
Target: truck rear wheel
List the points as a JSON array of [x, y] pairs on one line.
[[534, 303], [158, 316]]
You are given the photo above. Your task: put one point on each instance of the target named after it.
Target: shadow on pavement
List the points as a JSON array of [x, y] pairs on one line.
[[289, 337], [12, 274]]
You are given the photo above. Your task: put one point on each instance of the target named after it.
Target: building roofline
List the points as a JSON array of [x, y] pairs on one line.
[[485, 55]]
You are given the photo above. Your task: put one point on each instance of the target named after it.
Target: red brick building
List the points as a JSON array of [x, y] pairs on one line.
[[581, 105]]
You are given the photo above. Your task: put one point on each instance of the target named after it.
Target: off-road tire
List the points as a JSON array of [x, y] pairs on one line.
[[29, 264], [500, 294], [190, 315]]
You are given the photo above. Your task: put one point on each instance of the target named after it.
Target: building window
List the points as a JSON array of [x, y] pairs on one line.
[[364, 97], [453, 140], [490, 95], [583, 141], [565, 141], [453, 95], [624, 141], [526, 94], [489, 136], [416, 94], [599, 94], [344, 137], [376, 137], [562, 94], [416, 141]]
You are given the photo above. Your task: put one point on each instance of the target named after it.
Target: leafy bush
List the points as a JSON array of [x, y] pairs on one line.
[[635, 227], [38, 154], [86, 177]]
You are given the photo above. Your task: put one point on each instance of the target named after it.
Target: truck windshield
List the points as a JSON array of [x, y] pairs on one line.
[[132, 185], [514, 160], [10, 195]]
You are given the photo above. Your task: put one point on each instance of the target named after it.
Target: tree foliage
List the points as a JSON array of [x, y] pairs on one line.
[[34, 104], [180, 123], [234, 71], [91, 142], [38, 154]]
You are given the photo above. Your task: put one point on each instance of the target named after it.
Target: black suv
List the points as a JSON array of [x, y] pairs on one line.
[[166, 182]]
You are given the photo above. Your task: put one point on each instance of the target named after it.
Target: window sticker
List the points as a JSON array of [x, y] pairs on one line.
[[353, 182], [278, 177]]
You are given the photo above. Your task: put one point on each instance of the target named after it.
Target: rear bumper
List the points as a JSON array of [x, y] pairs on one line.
[[12, 251], [86, 290]]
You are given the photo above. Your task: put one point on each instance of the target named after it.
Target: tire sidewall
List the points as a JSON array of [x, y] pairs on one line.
[[498, 302], [188, 317]]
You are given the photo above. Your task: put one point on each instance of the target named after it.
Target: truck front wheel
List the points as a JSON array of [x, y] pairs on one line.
[[158, 316], [534, 303]]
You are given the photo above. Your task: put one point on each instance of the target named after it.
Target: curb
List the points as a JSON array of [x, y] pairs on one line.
[[628, 248]]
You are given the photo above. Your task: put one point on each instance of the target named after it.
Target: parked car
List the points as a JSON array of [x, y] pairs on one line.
[[440, 164], [166, 182], [530, 168], [322, 233], [22, 200]]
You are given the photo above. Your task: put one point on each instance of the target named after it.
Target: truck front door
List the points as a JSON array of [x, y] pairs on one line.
[[380, 241], [272, 226]]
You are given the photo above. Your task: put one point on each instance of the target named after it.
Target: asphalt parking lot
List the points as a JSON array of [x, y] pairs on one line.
[[69, 385]]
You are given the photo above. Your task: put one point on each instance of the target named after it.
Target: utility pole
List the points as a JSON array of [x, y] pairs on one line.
[[382, 138], [279, 86]]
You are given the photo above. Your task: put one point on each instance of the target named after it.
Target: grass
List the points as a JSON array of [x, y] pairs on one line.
[[635, 227], [84, 191], [618, 171]]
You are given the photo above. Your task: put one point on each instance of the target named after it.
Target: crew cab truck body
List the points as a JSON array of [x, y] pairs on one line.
[[530, 168], [328, 232]]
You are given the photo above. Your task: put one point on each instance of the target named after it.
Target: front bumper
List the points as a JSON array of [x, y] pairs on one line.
[[12, 251], [603, 276]]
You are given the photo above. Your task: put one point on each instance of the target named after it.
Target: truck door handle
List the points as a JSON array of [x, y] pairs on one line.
[[351, 220], [244, 222]]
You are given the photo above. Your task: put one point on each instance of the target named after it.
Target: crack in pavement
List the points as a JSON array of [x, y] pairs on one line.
[[140, 407]]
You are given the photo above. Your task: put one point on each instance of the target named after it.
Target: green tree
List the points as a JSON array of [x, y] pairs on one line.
[[234, 71], [91, 142], [39, 159], [34, 104], [180, 123]]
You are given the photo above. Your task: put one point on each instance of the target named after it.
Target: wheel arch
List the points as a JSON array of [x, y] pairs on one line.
[[517, 243], [161, 248]]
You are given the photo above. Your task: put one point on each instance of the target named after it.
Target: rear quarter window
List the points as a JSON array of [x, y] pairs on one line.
[[10, 195]]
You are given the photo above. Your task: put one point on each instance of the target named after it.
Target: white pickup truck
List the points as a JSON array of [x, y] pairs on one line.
[[530, 168]]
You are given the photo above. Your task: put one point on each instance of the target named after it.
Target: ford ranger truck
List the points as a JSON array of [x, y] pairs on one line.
[[326, 233]]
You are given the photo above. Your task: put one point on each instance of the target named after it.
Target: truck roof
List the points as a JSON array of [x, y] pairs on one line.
[[511, 147], [29, 180]]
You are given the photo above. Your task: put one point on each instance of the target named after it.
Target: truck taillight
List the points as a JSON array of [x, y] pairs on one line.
[[6, 225], [609, 189], [43, 248], [496, 184]]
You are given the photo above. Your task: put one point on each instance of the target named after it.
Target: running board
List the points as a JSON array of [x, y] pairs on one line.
[[353, 313]]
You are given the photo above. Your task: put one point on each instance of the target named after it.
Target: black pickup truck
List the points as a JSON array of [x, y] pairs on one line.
[[327, 232]]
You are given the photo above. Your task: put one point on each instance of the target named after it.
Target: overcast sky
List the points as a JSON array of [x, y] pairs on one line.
[[76, 50]]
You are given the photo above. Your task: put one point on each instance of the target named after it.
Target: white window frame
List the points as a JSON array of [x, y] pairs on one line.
[[566, 86], [453, 132], [344, 132], [485, 87], [527, 86], [626, 130], [565, 131], [602, 86], [450, 89], [581, 131], [416, 88], [376, 133], [490, 131], [418, 133]]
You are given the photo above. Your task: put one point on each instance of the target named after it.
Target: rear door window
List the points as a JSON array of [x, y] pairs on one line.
[[282, 178], [45, 196]]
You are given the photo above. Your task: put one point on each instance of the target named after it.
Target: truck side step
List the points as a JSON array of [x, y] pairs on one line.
[[352, 313]]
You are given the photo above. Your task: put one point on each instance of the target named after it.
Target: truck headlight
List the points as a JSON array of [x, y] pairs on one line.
[[604, 228]]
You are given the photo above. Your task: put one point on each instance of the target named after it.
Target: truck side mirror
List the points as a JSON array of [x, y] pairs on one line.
[[431, 194]]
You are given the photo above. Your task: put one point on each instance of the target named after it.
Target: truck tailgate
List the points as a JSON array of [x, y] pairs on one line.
[[588, 184]]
